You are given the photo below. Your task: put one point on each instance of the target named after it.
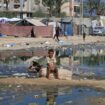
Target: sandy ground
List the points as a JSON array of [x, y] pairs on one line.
[[99, 84], [20, 43]]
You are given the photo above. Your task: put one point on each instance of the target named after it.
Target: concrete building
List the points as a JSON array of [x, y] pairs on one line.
[[20, 6], [71, 8], [17, 5]]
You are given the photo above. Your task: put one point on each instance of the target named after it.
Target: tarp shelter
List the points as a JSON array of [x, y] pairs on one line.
[[8, 20], [66, 25], [3, 19], [30, 22]]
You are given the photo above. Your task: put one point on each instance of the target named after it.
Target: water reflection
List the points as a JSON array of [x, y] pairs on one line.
[[51, 96], [30, 95], [91, 59]]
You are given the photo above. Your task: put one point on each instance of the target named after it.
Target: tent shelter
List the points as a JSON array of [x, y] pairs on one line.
[[30, 22]]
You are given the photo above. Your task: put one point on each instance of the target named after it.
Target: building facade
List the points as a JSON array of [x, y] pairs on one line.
[[71, 8], [17, 5]]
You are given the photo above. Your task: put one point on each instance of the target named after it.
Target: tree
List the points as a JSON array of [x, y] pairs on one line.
[[50, 4], [58, 7], [54, 6], [102, 9], [97, 5]]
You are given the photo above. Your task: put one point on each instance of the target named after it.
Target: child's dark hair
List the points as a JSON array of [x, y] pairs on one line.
[[50, 50]]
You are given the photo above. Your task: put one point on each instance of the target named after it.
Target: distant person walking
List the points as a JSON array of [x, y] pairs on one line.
[[32, 32], [84, 36], [57, 33], [84, 31]]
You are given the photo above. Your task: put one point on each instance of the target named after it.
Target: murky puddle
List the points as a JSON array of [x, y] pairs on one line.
[[89, 67], [90, 57], [30, 95]]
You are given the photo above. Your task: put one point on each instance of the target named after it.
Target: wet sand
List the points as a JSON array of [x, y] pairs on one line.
[[98, 84]]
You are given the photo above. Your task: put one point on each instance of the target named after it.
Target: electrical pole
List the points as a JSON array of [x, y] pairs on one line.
[[82, 19], [71, 11]]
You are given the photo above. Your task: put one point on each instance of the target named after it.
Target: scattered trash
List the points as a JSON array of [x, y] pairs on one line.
[[36, 96], [94, 52], [10, 86], [64, 43], [69, 102], [20, 74], [18, 86], [1, 98], [47, 42], [61, 42], [27, 44], [10, 45], [13, 96], [33, 104], [80, 90], [2, 35], [85, 78]]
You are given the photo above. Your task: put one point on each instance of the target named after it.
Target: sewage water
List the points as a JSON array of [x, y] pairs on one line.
[[29, 95], [90, 56], [89, 67]]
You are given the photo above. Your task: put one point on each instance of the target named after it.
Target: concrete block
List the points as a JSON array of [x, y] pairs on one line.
[[64, 74]]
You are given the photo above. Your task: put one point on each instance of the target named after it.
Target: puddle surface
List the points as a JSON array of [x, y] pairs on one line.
[[90, 56], [28, 95]]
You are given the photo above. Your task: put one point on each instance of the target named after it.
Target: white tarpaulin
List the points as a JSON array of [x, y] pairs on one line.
[[4, 19], [35, 22]]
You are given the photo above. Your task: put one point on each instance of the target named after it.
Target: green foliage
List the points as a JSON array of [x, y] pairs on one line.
[[63, 14], [39, 13], [8, 14], [50, 4], [96, 5], [54, 7]]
